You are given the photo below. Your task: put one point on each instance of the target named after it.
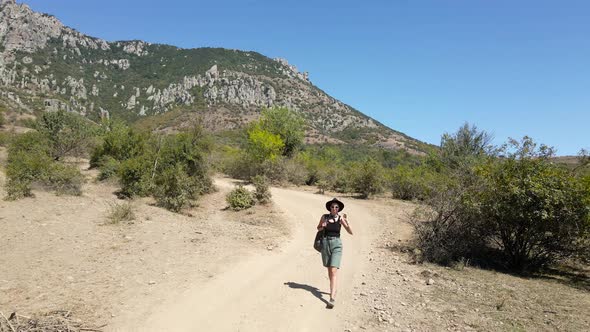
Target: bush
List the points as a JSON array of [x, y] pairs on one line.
[[339, 179], [135, 177], [446, 229], [367, 177], [6, 138], [414, 183], [538, 212], [262, 192], [119, 143], [109, 168], [295, 171], [174, 189], [274, 170], [520, 211], [64, 179], [121, 212], [322, 186], [240, 198], [30, 161], [186, 150], [68, 133], [172, 168]]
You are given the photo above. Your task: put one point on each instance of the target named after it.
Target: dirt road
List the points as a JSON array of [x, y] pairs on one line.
[[285, 289]]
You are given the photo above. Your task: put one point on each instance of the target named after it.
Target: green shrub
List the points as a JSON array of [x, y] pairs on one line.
[[136, 177], [262, 192], [109, 168], [2, 119], [240, 198], [69, 134], [537, 211], [295, 171], [5, 138], [119, 143], [30, 161], [274, 170], [174, 189], [172, 168], [414, 183], [239, 166], [187, 150], [367, 177], [520, 211], [64, 179], [339, 179]]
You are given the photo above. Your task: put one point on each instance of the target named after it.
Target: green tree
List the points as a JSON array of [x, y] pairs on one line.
[[460, 149], [287, 124], [263, 144]]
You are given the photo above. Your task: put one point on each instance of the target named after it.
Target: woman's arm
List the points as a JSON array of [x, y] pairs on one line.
[[322, 224], [344, 223]]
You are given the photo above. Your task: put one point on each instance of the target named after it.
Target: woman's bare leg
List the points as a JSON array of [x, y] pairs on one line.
[[332, 274]]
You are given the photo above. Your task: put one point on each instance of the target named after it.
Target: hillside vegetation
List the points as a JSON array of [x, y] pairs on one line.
[[508, 207]]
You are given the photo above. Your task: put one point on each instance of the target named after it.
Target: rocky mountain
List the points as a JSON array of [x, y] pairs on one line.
[[46, 66]]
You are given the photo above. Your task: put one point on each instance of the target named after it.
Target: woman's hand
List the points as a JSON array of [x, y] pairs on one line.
[[322, 224]]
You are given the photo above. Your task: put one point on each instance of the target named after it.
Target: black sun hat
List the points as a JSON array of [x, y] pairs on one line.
[[332, 201]]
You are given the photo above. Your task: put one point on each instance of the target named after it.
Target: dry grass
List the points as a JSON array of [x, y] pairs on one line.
[[55, 321], [121, 212]]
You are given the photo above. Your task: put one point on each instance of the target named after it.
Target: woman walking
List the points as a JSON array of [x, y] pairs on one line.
[[331, 223]]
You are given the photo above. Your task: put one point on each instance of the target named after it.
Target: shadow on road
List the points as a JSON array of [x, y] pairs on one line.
[[313, 290]]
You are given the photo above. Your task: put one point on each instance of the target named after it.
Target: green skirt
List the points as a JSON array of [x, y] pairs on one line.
[[332, 252]]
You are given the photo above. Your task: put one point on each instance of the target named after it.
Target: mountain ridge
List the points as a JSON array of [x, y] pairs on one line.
[[45, 66]]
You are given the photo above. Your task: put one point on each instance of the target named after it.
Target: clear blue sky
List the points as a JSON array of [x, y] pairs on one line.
[[512, 68]]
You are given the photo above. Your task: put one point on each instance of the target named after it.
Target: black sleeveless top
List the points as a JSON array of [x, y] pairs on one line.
[[333, 225]]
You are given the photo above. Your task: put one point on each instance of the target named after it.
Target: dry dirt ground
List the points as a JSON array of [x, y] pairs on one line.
[[211, 269]]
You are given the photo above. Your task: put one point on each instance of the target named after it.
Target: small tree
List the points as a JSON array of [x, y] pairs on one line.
[[263, 145], [288, 125], [68, 133], [367, 177], [460, 149], [538, 211]]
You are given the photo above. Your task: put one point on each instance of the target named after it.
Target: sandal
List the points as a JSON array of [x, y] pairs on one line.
[[331, 304]]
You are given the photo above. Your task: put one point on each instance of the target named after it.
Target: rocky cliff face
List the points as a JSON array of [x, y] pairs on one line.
[[45, 66]]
